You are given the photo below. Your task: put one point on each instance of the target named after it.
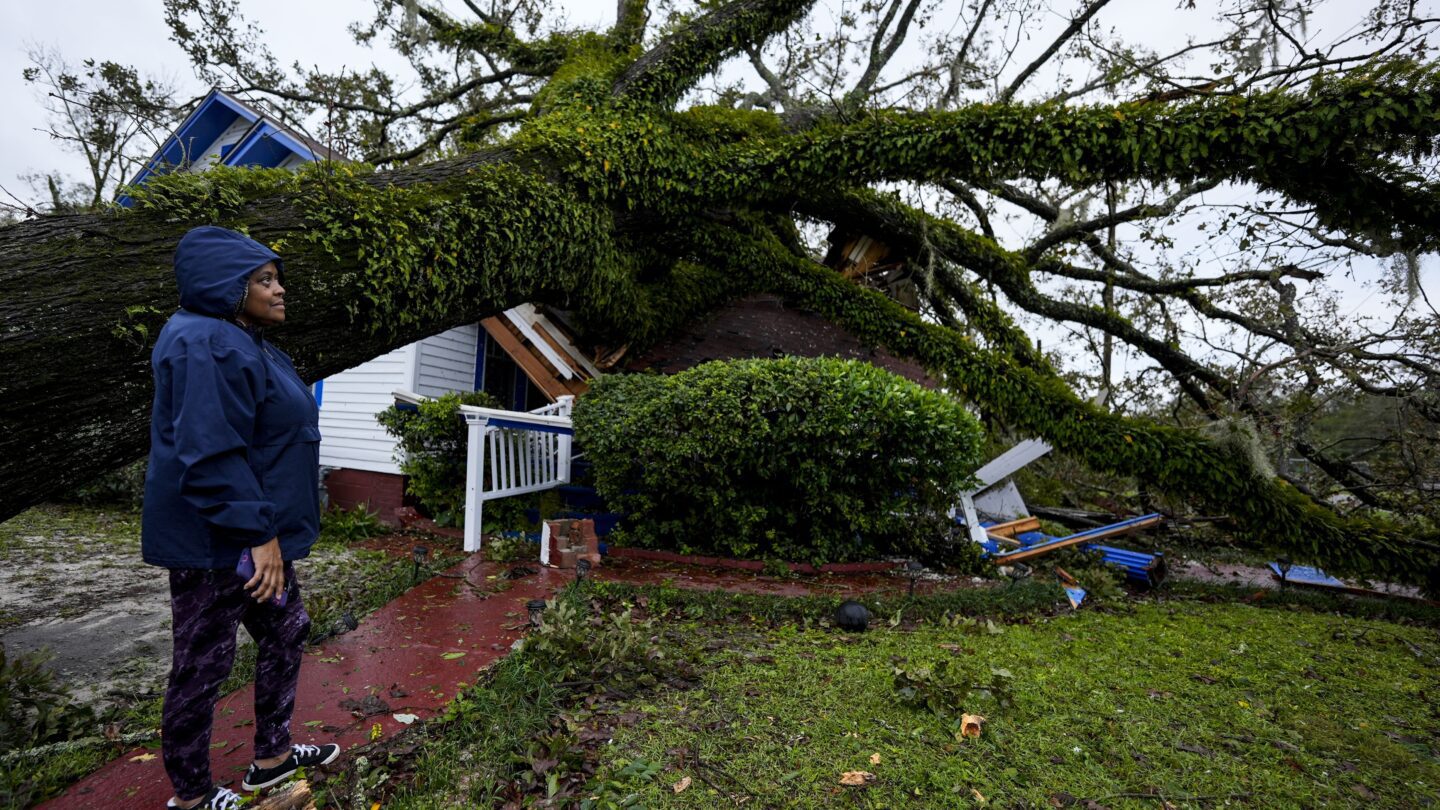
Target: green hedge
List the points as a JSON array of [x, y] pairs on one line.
[[432, 451], [816, 460]]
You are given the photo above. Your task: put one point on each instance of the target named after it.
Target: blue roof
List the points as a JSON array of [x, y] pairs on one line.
[[266, 144]]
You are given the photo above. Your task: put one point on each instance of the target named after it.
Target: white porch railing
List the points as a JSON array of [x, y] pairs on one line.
[[527, 452]]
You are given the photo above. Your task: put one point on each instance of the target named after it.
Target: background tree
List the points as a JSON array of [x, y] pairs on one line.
[[107, 113], [1024, 183]]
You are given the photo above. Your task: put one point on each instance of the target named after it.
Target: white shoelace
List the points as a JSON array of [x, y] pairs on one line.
[[302, 750], [225, 799]]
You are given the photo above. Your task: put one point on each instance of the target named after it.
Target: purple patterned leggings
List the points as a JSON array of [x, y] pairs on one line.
[[206, 607]]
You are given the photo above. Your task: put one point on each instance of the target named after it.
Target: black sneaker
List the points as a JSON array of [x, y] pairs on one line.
[[301, 756], [219, 798]]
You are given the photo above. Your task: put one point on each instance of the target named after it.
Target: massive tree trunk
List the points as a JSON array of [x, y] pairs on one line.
[[95, 289]]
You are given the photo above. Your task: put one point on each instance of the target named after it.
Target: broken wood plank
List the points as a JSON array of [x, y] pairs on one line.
[[1075, 518], [1013, 527], [1003, 540], [537, 369], [1090, 536], [294, 797]]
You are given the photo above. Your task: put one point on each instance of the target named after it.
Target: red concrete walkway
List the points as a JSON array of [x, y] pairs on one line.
[[414, 654], [404, 654]]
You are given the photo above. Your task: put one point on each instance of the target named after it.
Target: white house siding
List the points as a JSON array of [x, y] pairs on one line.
[[350, 436], [447, 362], [294, 162]]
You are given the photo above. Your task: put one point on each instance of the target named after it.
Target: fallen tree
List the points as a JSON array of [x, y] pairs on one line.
[[607, 198]]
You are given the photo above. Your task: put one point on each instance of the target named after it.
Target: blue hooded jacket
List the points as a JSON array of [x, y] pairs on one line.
[[234, 432]]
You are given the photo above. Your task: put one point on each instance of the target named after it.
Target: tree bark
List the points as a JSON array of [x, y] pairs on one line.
[[92, 291]]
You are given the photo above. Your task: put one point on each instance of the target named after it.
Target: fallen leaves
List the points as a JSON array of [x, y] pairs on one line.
[[679, 787], [405, 719], [875, 759], [142, 758], [367, 706], [857, 778], [451, 656]]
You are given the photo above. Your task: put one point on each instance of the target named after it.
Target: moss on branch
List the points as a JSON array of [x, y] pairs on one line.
[[1316, 147]]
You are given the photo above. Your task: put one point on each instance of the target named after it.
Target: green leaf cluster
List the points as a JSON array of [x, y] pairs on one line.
[[803, 459]]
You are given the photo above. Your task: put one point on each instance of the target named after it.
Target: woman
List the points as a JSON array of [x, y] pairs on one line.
[[234, 466]]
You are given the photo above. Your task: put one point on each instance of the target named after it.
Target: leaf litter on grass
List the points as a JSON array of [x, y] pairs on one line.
[[1103, 704]]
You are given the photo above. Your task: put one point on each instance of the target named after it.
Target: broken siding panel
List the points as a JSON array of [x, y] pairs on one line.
[[553, 342], [538, 369]]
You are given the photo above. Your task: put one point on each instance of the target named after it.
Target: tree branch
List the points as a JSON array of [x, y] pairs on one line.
[[1071, 30], [1272, 514], [666, 71], [881, 50]]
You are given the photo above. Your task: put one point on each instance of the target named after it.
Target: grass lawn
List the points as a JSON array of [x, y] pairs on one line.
[[1183, 701]]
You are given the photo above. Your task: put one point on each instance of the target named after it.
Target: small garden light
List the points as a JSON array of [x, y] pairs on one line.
[[1284, 564], [535, 607], [582, 567], [913, 571], [418, 555]]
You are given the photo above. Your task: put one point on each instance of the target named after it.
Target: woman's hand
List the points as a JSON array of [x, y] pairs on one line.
[[269, 579]]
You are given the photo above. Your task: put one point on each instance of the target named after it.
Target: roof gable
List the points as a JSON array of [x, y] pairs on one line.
[[223, 130]]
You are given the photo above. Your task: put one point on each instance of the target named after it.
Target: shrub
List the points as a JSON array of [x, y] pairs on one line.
[[432, 451], [803, 459], [35, 708], [123, 487], [346, 526]]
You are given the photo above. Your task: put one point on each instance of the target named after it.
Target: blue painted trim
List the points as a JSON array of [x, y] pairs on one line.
[[517, 425], [263, 146], [522, 384], [212, 116], [295, 145], [319, 392], [481, 345]]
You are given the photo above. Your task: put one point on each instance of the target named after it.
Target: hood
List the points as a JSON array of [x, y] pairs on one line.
[[213, 267]]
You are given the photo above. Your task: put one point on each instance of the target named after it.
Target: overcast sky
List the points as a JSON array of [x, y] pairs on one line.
[[133, 32]]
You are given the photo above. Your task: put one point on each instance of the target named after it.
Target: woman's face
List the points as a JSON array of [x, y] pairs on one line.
[[265, 300]]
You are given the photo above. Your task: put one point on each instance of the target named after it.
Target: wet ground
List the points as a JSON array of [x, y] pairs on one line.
[[72, 586]]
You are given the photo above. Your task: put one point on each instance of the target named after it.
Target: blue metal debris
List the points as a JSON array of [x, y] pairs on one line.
[[1305, 575], [1141, 568]]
